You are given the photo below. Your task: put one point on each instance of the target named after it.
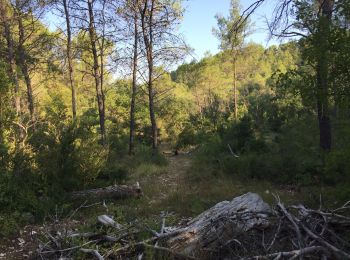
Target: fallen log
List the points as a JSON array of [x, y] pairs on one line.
[[110, 192], [214, 227]]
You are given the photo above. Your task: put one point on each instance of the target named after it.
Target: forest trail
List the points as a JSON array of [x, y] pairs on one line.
[[171, 178], [178, 167]]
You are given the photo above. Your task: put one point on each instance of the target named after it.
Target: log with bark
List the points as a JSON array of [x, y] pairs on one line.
[[110, 192]]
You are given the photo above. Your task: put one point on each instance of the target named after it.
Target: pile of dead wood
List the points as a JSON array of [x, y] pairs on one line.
[[244, 228]]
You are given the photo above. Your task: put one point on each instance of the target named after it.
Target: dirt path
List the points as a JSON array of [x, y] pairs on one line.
[[177, 169], [160, 186]]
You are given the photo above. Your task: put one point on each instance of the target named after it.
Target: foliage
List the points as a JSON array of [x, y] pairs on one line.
[[231, 35]]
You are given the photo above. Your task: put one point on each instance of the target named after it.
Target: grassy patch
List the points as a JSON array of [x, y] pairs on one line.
[[148, 169]]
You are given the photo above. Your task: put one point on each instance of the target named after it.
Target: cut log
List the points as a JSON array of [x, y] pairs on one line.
[[110, 192], [214, 227]]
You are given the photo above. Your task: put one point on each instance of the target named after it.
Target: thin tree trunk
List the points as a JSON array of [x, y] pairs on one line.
[[235, 89], [134, 88], [151, 109], [96, 72], [23, 64], [102, 52], [70, 61], [148, 39], [322, 76], [11, 58], [1, 121]]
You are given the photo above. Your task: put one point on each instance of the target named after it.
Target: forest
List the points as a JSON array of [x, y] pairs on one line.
[[110, 130]]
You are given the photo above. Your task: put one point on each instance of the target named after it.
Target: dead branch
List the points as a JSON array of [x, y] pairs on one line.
[[92, 251], [108, 221], [291, 254]]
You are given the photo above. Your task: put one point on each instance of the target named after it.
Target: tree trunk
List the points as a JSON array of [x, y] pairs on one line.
[[102, 56], [11, 58], [148, 39], [235, 88], [324, 120], [151, 109], [96, 72], [23, 64], [134, 88], [70, 61]]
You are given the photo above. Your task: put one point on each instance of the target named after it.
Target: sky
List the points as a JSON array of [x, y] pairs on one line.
[[199, 20]]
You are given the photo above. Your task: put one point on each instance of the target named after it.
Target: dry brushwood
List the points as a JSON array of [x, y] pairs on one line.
[[244, 228]]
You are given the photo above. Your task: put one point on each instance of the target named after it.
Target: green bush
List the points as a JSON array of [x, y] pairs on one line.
[[289, 156], [337, 167]]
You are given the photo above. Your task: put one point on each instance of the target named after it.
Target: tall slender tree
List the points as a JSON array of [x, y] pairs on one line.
[[134, 79], [322, 71], [22, 56], [147, 14], [70, 58], [232, 40], [96, 69], [160, 44], [11, 55]]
